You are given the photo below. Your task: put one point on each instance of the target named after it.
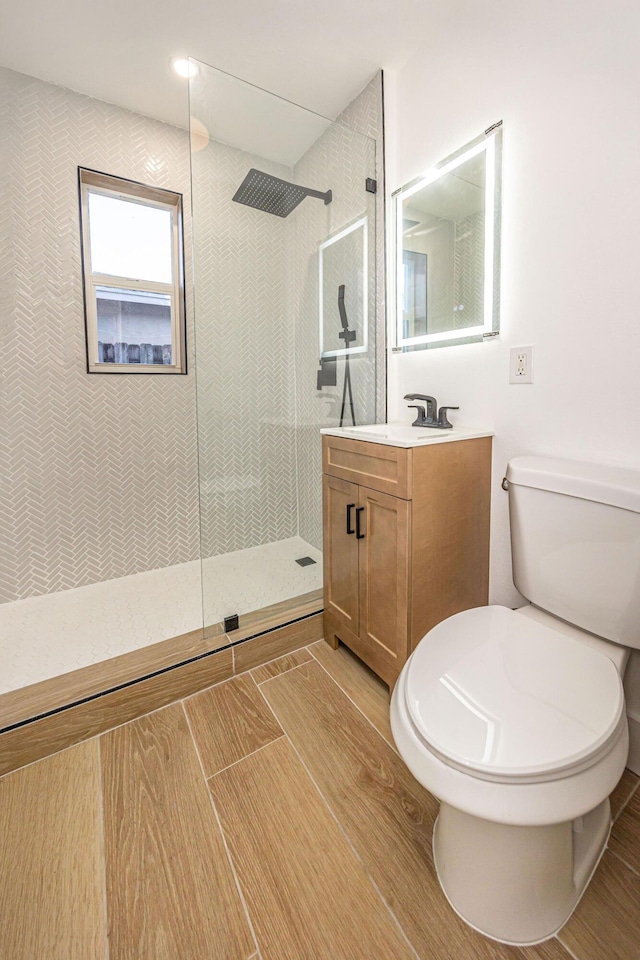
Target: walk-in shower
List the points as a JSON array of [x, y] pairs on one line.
[[142, 514]]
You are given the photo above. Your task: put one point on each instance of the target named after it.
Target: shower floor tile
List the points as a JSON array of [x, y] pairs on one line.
[[258, 577], [57, 633]]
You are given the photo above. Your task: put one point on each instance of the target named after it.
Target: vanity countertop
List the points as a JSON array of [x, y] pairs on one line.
[[404, 435]]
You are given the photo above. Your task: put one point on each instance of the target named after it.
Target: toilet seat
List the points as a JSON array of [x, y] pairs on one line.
[[504, 698]]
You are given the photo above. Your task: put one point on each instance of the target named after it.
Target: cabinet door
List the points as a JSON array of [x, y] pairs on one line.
[[384, 580], [340, 499]]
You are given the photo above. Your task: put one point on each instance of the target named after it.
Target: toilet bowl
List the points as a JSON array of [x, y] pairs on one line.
[[494, 714], [515, 720]]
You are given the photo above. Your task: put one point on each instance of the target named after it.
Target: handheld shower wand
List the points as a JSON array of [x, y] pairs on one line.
[[348, 336]]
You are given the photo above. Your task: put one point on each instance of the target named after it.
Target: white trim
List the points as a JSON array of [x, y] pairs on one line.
[[130, 283], [361, 223]]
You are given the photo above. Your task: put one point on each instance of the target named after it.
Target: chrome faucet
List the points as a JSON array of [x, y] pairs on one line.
[[427, 417]]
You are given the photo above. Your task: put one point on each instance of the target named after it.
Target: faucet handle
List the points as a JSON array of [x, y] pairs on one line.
[[422, 416], [443, 422]]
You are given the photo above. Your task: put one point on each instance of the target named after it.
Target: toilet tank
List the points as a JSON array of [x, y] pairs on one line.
[[575, 543]]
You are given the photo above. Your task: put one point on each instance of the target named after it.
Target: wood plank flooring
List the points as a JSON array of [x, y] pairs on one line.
[[51, 872], [386, 815], [168, 878], [275, 667], [267, 818], [625, 836], [43, 737], [369, 693], [303, 883], [229, 722], [606, 923]]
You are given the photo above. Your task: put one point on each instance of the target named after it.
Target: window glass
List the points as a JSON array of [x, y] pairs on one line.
[[134, 326], [130, 239]]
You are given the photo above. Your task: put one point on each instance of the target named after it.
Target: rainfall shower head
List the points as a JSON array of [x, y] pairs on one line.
[[264, 192]]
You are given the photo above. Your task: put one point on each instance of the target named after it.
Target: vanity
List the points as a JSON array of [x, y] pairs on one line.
[[406, 535]]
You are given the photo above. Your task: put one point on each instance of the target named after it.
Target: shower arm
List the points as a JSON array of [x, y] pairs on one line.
[[327, 196]]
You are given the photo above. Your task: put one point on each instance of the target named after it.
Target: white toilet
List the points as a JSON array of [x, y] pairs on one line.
[[515, 720]]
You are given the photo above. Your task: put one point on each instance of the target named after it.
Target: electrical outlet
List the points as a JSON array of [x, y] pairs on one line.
[[521, 365]]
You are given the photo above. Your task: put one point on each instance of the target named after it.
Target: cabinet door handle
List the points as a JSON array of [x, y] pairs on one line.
[[350, 507], [359, 536]]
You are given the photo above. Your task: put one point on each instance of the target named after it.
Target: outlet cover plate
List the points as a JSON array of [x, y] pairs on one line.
[[521, 365]]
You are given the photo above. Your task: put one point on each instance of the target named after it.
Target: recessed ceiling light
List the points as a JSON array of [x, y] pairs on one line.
[[184, 68]]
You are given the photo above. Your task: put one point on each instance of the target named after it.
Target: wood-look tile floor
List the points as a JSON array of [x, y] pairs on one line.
[[267, 818]]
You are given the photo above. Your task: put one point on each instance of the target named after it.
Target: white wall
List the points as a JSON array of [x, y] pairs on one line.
[[564, 78]]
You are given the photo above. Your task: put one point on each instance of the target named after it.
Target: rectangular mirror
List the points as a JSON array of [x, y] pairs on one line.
[[447, 249], [343, 261]]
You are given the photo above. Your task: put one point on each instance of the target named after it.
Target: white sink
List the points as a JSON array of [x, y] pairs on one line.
[[404, 435], [395, 431]]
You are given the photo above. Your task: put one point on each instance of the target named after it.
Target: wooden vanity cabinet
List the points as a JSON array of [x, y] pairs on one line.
[[406, 542]]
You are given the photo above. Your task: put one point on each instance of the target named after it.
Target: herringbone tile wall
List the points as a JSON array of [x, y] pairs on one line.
[[244, 345], [98, 474], [340, 160], [365, 114], [256, 306]]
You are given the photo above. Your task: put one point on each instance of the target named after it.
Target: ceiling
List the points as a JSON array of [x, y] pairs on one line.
[[247, 118], [319, 55]]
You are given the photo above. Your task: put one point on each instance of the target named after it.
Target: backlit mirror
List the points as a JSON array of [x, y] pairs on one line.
[[343, 272], [447, 249]]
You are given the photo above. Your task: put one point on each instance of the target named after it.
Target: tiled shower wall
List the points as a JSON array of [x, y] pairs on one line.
[[246, 415], [98, 474], [259, 412], [365, 114], [341, 160]]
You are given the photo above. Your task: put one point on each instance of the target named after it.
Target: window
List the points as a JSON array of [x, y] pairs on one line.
[[133, 276]]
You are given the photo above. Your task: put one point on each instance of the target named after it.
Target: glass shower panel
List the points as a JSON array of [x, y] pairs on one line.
[[284, 233]]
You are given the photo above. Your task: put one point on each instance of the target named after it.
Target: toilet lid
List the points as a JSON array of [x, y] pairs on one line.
[[495, 692]]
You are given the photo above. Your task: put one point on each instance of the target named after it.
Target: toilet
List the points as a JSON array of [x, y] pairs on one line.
[[515, 719]]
